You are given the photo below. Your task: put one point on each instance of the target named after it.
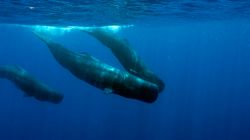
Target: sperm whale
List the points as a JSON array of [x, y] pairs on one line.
[[30, 85], [126, 55], [101, 75]]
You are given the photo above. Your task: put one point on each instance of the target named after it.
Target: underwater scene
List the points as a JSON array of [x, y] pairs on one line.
[[124, 70]]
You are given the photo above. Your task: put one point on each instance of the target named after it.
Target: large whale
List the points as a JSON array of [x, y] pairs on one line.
[[31, 86], [126, 55], [101, 75]]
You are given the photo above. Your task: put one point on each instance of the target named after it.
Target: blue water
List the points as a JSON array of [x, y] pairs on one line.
[[202, 53]]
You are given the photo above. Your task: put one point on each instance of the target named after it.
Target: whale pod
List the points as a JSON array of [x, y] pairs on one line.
[[102, 75], [31, 86]]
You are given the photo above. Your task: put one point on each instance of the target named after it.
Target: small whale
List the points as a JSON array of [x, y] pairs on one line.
[[28, 84], [101, 75], [126, 55]]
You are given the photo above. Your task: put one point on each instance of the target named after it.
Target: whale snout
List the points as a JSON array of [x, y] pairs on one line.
[[149, 94]]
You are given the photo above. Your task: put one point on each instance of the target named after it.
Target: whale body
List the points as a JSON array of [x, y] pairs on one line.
[[101, 75], [126, 55], [30, 85]]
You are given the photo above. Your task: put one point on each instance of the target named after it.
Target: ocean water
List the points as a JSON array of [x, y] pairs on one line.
[[200, 49]]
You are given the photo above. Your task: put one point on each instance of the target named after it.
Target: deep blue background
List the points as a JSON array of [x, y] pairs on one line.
[[205, 65]]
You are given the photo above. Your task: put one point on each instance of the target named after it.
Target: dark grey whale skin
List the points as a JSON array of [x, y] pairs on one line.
[[103, 76], [31, 86], [126, 55]]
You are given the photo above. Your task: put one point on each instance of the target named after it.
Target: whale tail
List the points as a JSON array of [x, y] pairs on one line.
[[42, 36]]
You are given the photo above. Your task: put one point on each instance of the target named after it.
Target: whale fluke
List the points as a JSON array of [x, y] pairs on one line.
[[30, 85]]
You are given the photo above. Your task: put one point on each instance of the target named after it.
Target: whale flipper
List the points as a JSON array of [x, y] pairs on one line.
[[126, 55]]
